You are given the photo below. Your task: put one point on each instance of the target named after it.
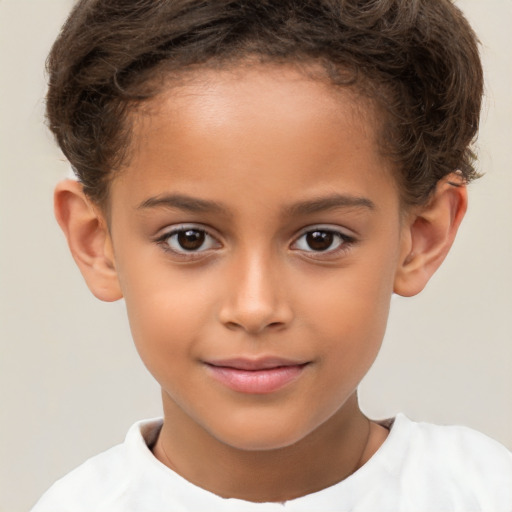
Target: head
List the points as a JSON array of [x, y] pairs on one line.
[[417, 61], [256, 179]]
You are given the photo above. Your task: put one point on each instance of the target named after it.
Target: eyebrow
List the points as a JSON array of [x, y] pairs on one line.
[[330, 202], [196, 205], [183, 202]]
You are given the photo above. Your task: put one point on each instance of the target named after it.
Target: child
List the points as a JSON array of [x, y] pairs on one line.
[[256, 179]]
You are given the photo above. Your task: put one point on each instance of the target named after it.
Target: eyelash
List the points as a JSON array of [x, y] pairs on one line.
[[164, 239], [344, 241]]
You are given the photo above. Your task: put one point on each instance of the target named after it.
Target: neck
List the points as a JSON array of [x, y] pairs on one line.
[[324, 457]]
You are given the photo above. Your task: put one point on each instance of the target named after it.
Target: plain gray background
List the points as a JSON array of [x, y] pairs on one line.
[[70, 380]]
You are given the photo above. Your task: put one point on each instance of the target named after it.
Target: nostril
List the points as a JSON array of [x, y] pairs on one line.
[[232, 325]]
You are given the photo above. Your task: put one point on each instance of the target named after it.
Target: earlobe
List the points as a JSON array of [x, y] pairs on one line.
[[428, 234], [88, 239]]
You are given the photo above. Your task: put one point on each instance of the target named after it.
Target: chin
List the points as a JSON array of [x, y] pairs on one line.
[[267, 438], [261, 445]]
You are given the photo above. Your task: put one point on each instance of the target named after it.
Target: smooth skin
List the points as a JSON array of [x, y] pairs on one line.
[[256, 219]]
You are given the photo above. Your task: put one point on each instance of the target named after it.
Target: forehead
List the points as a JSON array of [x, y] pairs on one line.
[[260, 126], [257, 92]]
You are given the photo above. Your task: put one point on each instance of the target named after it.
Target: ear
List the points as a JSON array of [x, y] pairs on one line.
[[428, 234], [88, 238]]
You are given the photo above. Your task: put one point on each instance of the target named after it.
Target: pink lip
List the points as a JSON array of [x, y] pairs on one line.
[[260, 376]]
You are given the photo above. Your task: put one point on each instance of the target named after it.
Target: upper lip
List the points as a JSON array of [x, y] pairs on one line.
[[263, 363]]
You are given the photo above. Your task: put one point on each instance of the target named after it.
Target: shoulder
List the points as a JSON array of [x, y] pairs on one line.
[[103, 478], [456, 459], [454, 443], [87, 485]]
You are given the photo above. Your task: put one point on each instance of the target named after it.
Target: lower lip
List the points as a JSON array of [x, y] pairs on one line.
[[256, 381]]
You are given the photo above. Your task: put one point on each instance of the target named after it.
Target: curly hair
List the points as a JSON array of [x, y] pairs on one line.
[[417, 59]]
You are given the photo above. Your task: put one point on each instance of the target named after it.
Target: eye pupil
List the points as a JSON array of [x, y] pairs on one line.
[[191, 239], [319, 240]]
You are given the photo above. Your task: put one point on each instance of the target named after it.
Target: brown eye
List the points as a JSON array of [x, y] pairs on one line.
[[319, 240], [186, 240], [191, 239], [323, 240]]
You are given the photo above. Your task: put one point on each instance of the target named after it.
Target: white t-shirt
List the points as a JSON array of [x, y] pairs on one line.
[[419, 468]]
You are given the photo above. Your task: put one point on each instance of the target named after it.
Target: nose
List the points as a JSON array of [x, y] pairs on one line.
[[255, 298]]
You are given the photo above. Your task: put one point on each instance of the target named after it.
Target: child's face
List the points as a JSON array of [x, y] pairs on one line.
[[256, 235]]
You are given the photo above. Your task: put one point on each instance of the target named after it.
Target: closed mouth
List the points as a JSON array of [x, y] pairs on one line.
[[259, 377], [255, 364]]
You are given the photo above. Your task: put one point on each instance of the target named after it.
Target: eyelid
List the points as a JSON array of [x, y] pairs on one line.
[[166, 233], [342, 231], [348, 237]]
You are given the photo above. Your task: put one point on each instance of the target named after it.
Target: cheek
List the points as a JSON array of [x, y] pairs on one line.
[[355, 300], [352, 338], [167, 311], [349, 311]]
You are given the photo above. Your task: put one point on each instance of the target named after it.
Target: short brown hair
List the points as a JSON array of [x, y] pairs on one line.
[[417, 58]]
